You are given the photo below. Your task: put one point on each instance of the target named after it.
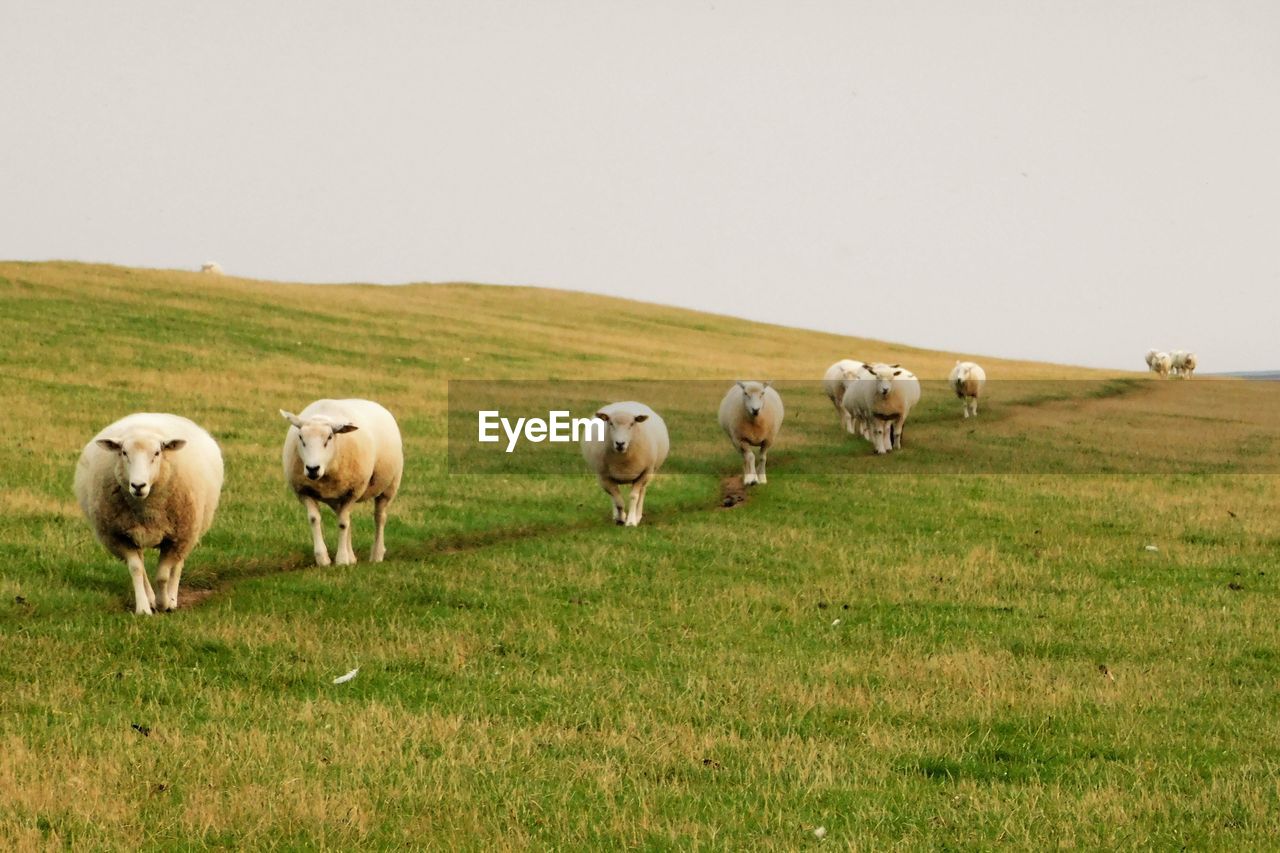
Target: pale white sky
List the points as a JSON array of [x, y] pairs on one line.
[[1076, 181]]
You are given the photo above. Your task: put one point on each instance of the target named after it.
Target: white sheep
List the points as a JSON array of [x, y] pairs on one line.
[[1183, 364], [751, 414], [341, 453], [834, 382], [968, 379], [630, 450], [883, 397], [1151, 354], [150, 480], [211, 268], [1161, 363]]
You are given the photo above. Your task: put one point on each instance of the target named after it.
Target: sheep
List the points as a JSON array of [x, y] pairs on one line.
[[751, 414], [211, 268], [341, 453], [834, 382], [1183, 364], [150, 480], [1151, 354], [883, 397], [1161, 362], [968, 379], [629, 450]]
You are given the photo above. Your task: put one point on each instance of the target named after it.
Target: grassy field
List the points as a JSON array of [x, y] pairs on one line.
[[904, 657]]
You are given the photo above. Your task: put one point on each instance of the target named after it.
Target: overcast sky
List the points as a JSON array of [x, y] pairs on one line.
[[1076, 181]]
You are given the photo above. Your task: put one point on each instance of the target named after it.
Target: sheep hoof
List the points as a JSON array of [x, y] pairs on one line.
[[344, 560], [377, 556], [620, 521], [762, 480], [750, 480], [142, 611]]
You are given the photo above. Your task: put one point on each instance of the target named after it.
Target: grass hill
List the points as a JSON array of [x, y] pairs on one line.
[[902, 652]]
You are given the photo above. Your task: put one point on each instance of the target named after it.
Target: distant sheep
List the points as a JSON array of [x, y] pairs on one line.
[[1183, 364], [212, 268], [634, 446], [1151, 354], [968, 379], [834, 382], [751, 414], [883, 398], [1161, 363], [341, 453], [150, 480]]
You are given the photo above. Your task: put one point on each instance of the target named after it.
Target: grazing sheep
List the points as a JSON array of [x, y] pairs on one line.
[[751, 415], [632, 449], [150, 480], [1151, 354], [1183, 364], [834, 382], [882, 398], [341, 453], [1161, 362], [968, 379], [212, 268]]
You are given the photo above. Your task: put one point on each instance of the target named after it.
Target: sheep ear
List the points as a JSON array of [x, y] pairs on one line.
[[175, 444], [341, 428], [109, 445], [768, 383], [895, 365], [291, 418], [741, 384], [897, 373], [602, 416], [641, 418]]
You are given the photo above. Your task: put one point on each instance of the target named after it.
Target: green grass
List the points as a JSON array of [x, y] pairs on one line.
[[531, 675]]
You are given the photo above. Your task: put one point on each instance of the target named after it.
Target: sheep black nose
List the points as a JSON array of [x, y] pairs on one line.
[[137, 487], [618, 445], [313, 472]]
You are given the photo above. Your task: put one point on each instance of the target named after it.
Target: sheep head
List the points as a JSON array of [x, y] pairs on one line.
[[139, 460], [316, 442]]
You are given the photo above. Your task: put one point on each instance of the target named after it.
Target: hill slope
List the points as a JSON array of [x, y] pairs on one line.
[[913, 659]]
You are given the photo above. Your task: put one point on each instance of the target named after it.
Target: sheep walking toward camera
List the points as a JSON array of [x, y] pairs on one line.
[[968, 379], [1183, 364], [341, 453], [751, 415], [628, 451], [883, 398], [211, 268], [834, 382], [1161, 363], [150, 480]]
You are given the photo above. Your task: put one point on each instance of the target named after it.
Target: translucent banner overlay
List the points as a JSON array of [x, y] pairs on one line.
[[1127, 425]]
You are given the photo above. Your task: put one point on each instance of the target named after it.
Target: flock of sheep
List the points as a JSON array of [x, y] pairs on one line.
[[153, 480], [1178, 363]]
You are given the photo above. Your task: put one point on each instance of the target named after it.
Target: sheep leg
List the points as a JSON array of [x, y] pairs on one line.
[[895, 430], [317, 530], [749, 477], [636, 498], [764, 455], [380, 504], [346, 555], [615, 494], [169, 575], [143, 596]]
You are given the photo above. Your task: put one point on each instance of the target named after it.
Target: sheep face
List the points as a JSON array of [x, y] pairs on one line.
[[620, 429], [316, 445], [753, 397], [138, 461], [883, 375]]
